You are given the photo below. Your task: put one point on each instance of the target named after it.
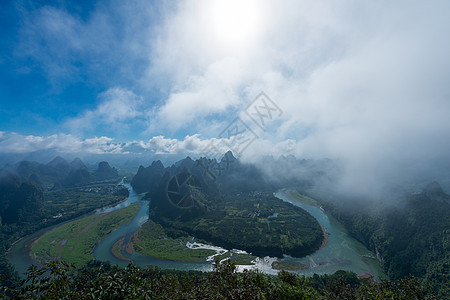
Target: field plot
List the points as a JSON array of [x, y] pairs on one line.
[[151, 240], [74, 242]]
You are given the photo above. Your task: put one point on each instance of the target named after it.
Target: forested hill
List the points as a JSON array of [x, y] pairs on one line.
[[228, 173], [22, 187], [229, 204], [19, 201], [231, 175], [411, 236], [34, 195]]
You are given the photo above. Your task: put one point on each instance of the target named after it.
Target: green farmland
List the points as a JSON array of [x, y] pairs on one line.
[[74, 242]]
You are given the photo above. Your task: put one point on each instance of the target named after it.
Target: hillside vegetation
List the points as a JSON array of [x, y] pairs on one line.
[[409, 237], [101, 281], [74, 242], [26, 205], [152, 240], [226, 203], [255, 222]]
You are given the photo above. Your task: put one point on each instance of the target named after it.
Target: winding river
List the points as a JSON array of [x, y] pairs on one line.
[[103, 250], [342, 252]]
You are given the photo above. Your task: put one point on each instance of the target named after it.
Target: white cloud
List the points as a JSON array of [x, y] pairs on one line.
[[12, 142], [361, 82], [193, 145], [364, 82], [118, 105], [16, 143], [116, 109], [108, 46]]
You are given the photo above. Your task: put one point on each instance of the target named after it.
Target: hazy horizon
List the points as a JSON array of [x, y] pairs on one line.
[[364, 84]]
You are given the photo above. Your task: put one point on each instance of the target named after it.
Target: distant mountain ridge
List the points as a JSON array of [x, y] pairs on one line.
[[434, 191], [60, 173], [168, 186], [147, 179], [224, 202], [209, 172], [104, 171], [232, 175]]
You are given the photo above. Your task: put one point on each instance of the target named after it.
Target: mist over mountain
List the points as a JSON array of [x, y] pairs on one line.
[[368, 94], [367, 179], [347, 104], [232, 175], [60, 173], [434, 191], [77, 163], [19, 201], [147, 179], [104, 171], [127, 160], [328, 175]]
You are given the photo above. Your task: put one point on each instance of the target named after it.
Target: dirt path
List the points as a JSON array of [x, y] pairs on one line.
[[92, 223]]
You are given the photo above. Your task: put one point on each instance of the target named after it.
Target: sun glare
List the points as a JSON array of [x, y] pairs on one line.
[[235, 23]]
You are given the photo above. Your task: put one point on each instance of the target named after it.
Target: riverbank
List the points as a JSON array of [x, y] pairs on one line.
[[325, 237], [102, 209], [73, 242], [151, 240], [15, 242], [116, 250], [341, 253], [312, 203], [28, 240]]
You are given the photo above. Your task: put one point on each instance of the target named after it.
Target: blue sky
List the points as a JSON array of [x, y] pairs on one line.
[[363, 82], [90, 69], [57, 57]]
